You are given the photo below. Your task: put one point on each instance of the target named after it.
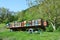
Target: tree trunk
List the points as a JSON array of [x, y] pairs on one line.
[[53, 25]]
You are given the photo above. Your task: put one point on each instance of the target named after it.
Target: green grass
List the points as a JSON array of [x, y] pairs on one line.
[[3, 28], [2, 25], [27, 36], [7, 35]]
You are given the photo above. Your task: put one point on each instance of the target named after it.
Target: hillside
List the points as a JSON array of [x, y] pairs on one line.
[[41, 11], [47, 10]]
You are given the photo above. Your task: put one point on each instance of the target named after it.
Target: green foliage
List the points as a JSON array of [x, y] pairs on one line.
[[58, 29], [49, 28], [7, 16], [47, 10], [5, 21]]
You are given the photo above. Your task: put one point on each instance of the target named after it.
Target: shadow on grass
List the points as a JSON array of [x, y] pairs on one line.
[[1, 38]]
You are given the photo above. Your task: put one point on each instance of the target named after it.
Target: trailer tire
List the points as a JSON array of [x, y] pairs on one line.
[[30, 30]]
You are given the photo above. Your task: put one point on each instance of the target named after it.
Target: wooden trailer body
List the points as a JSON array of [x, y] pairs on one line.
[[26, 25]]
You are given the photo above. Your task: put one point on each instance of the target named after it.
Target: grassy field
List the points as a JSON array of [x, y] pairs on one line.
[[5, 34]]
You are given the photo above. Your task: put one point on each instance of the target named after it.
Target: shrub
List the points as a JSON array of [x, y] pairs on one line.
[[49, 28], [58, 29]]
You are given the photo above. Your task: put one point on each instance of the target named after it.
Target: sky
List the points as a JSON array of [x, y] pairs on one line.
[[14, 5]]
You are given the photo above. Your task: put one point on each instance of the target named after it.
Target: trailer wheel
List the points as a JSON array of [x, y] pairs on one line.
[[30, 30]]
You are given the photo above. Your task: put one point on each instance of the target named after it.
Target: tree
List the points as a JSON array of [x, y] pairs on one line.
[[6, 15], [49, 9]]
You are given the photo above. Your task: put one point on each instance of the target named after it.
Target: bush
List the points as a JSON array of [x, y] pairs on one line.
[[58, 29], [49, 28], [5, 21]]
